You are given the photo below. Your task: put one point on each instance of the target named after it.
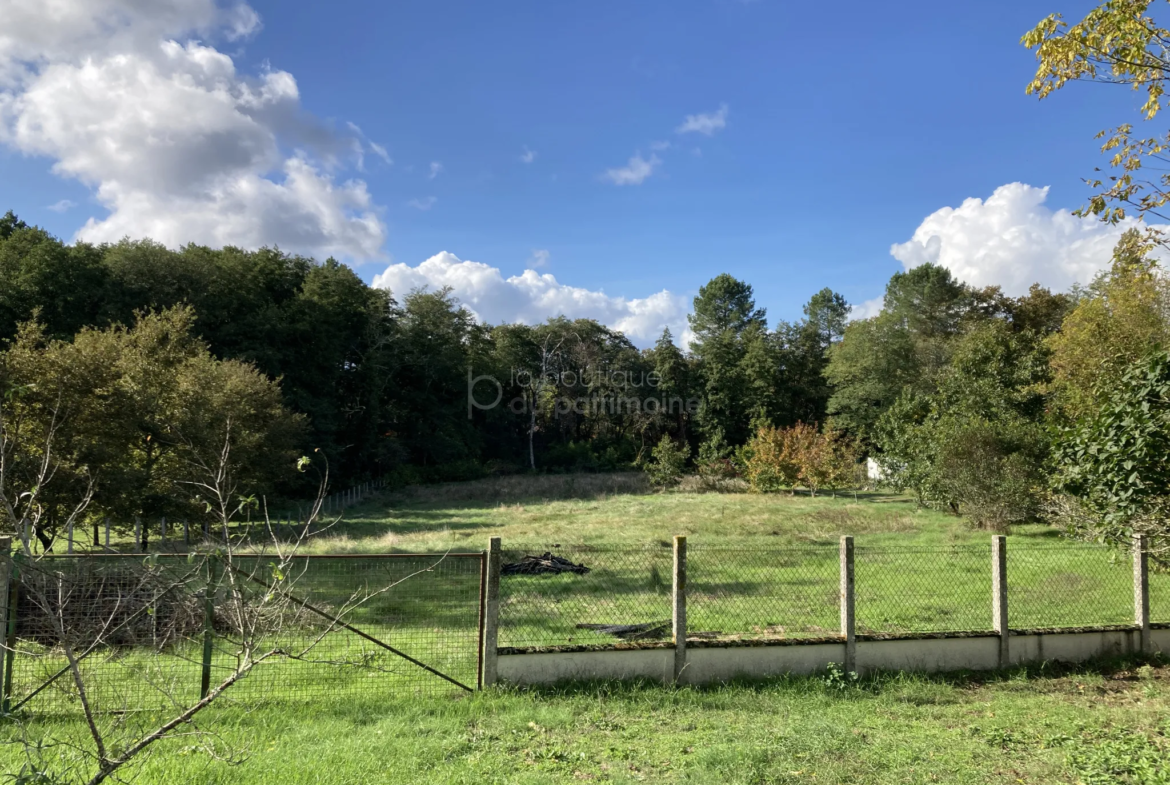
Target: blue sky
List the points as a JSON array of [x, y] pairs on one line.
[[846, 126]]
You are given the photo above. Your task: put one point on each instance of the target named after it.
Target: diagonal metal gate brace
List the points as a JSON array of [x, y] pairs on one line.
[[323, 614]]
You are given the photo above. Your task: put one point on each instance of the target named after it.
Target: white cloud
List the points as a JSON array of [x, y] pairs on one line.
[[706, 124], [1013, 240], [425, 203], [436, 168], [661, 145], [532, 297], [528, 156], [380, 151], [62, 206], [539, 259], [866, 309], [175, 143], [634, 172]]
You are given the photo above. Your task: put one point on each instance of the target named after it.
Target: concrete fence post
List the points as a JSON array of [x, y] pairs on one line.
[[679, 604], [107, 532], [999, 597], [1141, 590], [69, 541], [848, 605], [162, 532], [491, 613], [8, 619], [138, 534]]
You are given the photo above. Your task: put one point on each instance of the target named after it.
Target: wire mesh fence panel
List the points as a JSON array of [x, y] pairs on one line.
[[1068, 586], [1159, 593], [358, 625], [321, 626], [623, 594], [129, 623], [745, 593], [922, 589]]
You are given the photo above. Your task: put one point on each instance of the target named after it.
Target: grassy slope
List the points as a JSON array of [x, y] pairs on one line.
[[1082, 726], [618, 509]]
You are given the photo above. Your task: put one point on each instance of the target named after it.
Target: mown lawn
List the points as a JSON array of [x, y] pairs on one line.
[[1102, 725]]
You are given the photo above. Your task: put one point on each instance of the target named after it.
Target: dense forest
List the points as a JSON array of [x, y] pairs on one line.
[[145, 362]]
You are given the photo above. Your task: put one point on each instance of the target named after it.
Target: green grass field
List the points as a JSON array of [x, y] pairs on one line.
[[1104, 725], [759, 567]]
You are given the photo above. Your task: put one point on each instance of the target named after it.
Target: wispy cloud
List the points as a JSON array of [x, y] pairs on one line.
[[635, 172], [436, 169], [380, 151], [425, 203], [528, 156], [706, 124], [661, 145], [539, 259], [62, 206]]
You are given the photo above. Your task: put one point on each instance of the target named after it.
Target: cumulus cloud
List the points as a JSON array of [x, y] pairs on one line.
[[866, 309], [532, 297], [175, 143], [1013, 240], [706, 124], [635, 172]]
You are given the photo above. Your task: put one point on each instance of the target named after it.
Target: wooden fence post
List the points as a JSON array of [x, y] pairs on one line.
[[679, 597], [8, 617], [69, 536], [848, 604], [186, 534], [107, 532], [999, 597], [1141, 590], [163, 533], [491, 613], [138, 534], [208, 624]]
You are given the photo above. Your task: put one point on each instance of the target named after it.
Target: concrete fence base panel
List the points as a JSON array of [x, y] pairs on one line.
[[714, 664]]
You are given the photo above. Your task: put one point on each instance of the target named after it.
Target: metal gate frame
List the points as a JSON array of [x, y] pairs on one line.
[[10, 587]]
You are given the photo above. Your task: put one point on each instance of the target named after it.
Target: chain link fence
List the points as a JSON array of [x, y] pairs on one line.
[[1159, 593], [623, 594], [740, 592], [744, 591], [923, 589], [1068, 585]]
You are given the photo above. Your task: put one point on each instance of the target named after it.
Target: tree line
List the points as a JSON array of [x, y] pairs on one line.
[[145, 361]]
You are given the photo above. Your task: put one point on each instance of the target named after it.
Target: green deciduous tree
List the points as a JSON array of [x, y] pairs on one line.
[[1115, 462], [1117, 42], [134, 421], [975, 444], [1122, 315]]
